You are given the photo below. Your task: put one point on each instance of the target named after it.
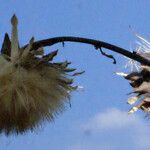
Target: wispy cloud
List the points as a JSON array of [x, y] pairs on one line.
[[131, 129], [111, 119]]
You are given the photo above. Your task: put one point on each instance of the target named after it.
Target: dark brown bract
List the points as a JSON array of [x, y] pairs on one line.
[[140, 81]]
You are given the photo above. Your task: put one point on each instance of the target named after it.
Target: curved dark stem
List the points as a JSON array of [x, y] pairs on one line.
[[95, 43], [109, 56]]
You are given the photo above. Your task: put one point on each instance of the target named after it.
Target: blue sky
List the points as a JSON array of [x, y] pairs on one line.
[[98, 117]]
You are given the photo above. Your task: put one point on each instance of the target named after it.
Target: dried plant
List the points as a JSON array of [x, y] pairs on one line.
[[34, 89], [139, 79]]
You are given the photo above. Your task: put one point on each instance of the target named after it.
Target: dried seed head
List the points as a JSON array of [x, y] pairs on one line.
[[32, 89]]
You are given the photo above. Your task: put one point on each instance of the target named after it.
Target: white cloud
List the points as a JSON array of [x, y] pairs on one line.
[[134, 127], [111, 119]]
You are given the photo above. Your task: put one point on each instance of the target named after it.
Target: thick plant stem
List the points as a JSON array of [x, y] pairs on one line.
[[96, 43]]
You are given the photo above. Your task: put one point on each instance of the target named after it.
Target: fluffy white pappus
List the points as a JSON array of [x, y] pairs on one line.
[[28, 97], [32, 89]]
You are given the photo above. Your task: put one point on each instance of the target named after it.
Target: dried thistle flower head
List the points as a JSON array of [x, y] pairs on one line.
[[139, 79], [32, 89]]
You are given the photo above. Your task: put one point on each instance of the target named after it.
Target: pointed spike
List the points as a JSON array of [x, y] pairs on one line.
[[6, 46], [49, 57], [62, 65], [31, 40], [28, 48], [121, 74], [66, 81], [78, 73], [132, 110], [69, 70], [14, 20], [65, 64]]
